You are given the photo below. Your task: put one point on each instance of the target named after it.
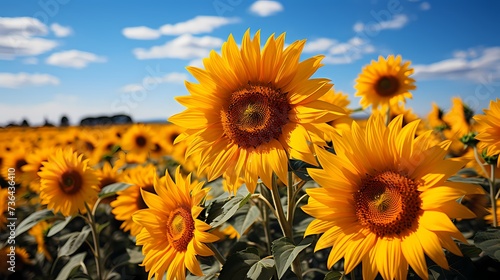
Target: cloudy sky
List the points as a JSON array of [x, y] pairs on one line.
[[87, 58]]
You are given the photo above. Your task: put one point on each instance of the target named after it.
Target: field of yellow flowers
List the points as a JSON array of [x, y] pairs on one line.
[[265, 175]]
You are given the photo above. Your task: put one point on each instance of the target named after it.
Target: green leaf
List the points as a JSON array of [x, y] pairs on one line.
[[74, 261], [238, 264], [489, 242], [74, 242], [135, 256], [299, 168], [333, 275], [471, 180], [244, 218], [285, 252], [58, 226], [112, 189], [469, 250], [33, 219], [262, 270], [219, 212]]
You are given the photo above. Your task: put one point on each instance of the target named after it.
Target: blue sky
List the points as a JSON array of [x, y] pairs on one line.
[[88, 58]]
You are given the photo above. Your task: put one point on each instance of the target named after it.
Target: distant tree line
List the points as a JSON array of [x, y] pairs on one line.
[[89, 121]]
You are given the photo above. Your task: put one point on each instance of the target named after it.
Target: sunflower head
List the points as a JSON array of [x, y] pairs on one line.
[[255, 107], [130, 200], [385, 82], [489, 129], [67, 182], [385, 200], [138, 140], [171, 234]]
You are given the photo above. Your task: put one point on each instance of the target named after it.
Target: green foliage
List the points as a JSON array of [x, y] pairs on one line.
[[73, 263], [112, 189], [32, 220], [284, 252], [489, 242]]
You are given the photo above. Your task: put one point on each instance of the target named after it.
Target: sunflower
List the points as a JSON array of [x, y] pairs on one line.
[[384, 200], [341, 100], [489, 132], [385, 82], [108, 175], [435, 118], [22, 259], [172, 235], [34, 162], [16, 158], [67, 182], [130, 200], [254, 109], [459, 118], [138, 141], [39, 231]]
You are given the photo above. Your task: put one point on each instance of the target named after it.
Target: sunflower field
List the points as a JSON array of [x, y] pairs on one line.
[[266, 174]]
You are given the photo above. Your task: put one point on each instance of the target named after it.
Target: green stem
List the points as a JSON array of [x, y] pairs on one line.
[[285, 224], [492, 195], [217, 254], [265, 218], [95, 238]]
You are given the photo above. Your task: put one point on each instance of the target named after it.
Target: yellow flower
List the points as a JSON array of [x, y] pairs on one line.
[[108, 175], [67, 183], [385, 82], [22, 258], [384, 200], [130, 199], [254, 109], [39, 231], [341, 100], [435, 118], [489, 217], [459, 118], [34, 162], [138, 141], [172, 235], [489, 133]]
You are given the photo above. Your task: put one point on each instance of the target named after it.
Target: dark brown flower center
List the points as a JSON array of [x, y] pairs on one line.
[[387, 86], [140, 141], [71, 182], [180, 228], [255, 115], [388, 203]]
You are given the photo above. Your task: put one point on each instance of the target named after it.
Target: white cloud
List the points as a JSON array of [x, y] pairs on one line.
[[197, 25], [339, 52], [474, 65], [17, 37], [319, 45], [132, 88], [22, 26], [12, 46], [397, 22], [183, 47], [22, 79], [30, 60], [61, 31], [150, 82], [265, 8], [198, 62], [141, 33], [73, 59], [424, 6]]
